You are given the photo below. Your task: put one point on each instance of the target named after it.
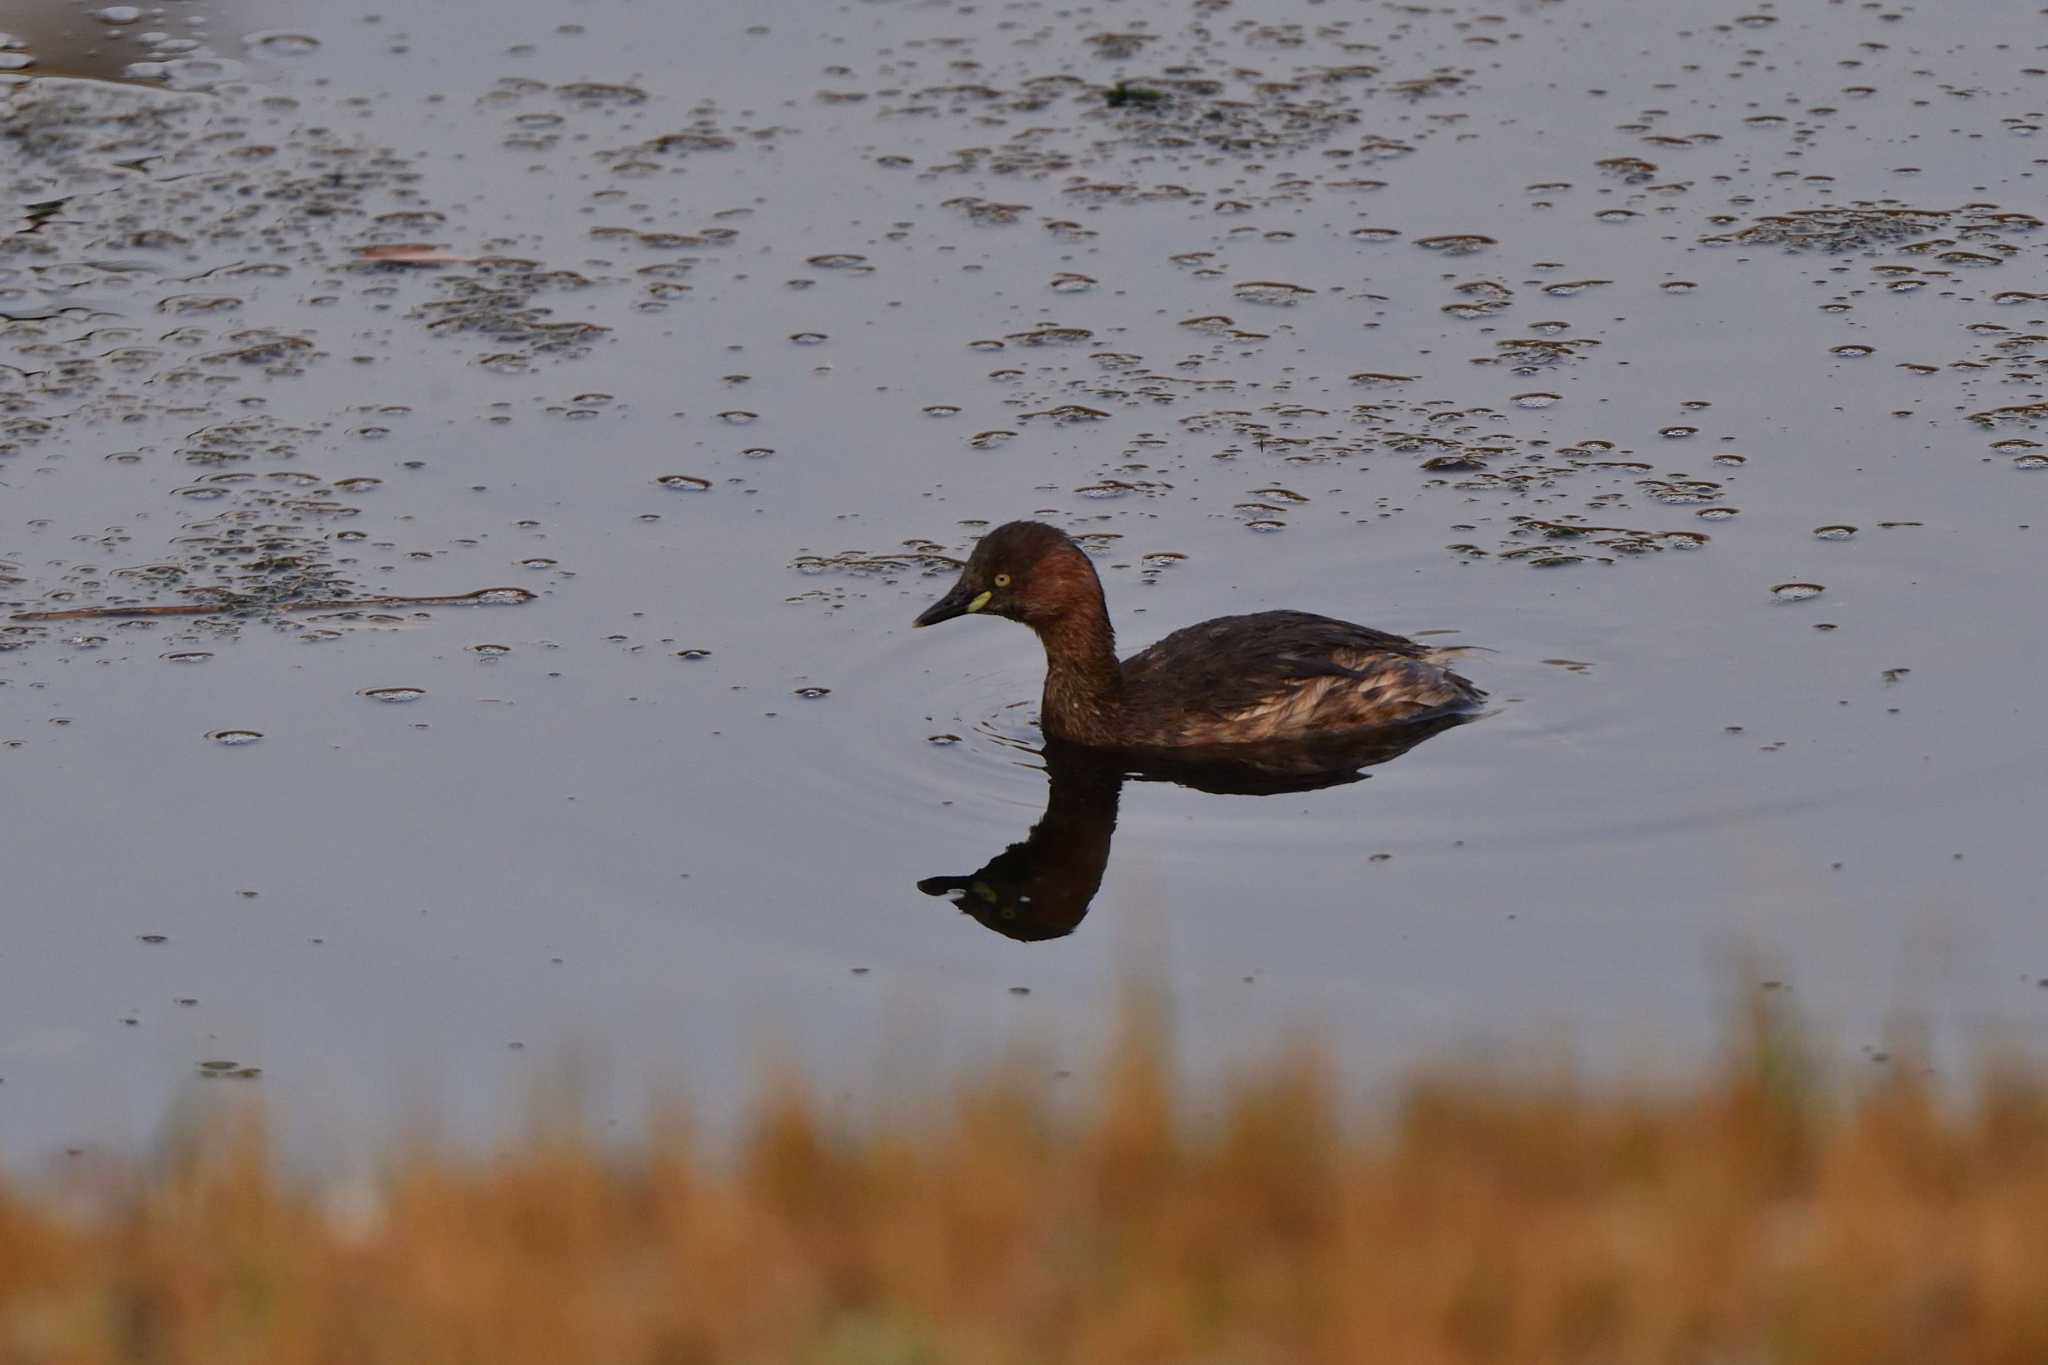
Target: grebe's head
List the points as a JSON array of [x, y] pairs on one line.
[[1024, 570]]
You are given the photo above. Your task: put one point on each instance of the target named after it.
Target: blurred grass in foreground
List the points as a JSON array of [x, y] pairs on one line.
[[1745, 1219]]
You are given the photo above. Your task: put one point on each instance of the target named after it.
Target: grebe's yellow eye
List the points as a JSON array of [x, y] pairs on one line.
[[1002, 580]]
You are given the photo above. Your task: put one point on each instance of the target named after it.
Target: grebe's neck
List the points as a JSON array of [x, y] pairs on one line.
[[1084, 684]]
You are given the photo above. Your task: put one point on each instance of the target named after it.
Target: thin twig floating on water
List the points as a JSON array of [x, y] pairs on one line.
[[411, 253], [482, 597]]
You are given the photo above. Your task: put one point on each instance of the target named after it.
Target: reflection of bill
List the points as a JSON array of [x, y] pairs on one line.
[[1041, 888], [160, 46]]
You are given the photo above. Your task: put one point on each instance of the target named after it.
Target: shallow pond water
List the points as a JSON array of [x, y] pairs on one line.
[[1686, 363]]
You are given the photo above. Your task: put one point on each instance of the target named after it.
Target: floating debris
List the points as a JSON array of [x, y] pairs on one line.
[[1271, 293], [483, 597], [396, 696], [1456, 243], [921, 558], [1868, 225], [1124, 95], [412, 253]]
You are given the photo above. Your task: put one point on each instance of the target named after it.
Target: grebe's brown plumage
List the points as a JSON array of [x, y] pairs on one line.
[[1270, 677]]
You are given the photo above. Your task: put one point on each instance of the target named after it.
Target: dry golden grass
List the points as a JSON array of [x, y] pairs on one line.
[[1744, 1220]]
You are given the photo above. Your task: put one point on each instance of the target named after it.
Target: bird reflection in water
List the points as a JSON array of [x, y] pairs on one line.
[[1041, 888]]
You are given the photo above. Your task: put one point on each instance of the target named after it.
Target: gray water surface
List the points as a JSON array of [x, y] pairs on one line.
[[1578, 332]]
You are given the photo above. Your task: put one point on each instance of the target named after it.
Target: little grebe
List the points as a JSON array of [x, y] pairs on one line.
[[1270, 677]]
